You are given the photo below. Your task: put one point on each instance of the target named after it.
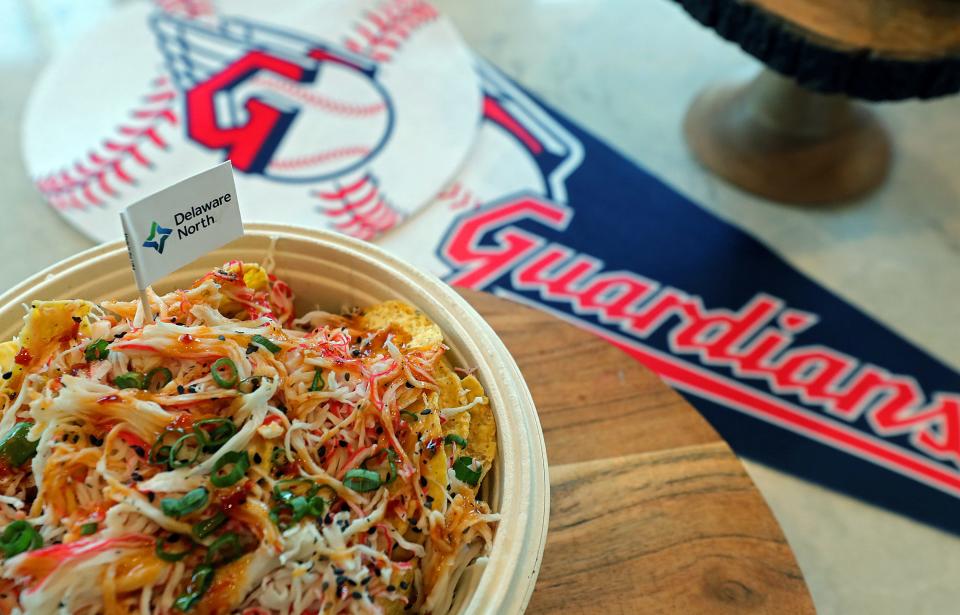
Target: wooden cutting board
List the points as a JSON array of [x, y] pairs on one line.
[[651, 512]]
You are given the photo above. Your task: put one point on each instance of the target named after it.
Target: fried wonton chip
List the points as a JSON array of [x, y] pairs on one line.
[[452, 394], [433, 463], [482, 442], [397, 607], [45, 325], [409, 324]]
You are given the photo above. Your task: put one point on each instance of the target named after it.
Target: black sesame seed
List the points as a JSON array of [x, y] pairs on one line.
[[403, 585], [136, 476], [379, 430], [372, 530], [346, 377], [222, 338], [7, 375], [342, 443], [391, 588], [139, 451], [173, 538], [338, 571], [423, 482], [173, 319], [257, 458], [94, 440], [365, 581], [180, 389], [328, 519], [120, 335], [425, 412], [429, 500], [151, 496], [376, 571], [355, 353], [251, 349], [76, 318], [322, 451], [409, 386], [416, 530], [192, 388], [356, 595]]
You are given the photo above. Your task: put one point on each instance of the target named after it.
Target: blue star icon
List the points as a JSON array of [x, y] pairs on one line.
[[157, 231]]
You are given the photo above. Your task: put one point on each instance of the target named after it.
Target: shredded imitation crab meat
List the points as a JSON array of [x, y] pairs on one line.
[[229, 458]]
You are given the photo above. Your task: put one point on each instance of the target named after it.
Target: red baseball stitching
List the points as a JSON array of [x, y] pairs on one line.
[[313, 99], [288, 164], [384, 29], [358, 209], [91, 180], [188, 8], [458, 196]]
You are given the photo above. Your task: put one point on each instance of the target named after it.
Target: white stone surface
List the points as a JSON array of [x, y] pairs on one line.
[[627, 70]]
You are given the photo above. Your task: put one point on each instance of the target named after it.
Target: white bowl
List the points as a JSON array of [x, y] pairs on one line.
[[333, 271]]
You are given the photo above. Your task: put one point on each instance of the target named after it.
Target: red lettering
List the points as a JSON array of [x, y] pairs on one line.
[[940, 436], [619, 292], [481, 264]]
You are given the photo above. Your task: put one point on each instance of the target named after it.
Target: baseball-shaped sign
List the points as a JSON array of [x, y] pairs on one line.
[[347, 114]]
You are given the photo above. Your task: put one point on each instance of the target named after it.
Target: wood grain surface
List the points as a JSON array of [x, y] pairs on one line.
[[651, 512], [872, 49]]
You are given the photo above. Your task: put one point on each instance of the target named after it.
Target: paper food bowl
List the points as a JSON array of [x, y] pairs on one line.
[[332, 271]]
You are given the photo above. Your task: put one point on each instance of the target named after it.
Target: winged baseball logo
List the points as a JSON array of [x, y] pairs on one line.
[[277, 103]]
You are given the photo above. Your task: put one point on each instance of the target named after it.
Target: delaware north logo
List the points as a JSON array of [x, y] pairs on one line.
[[158, 237]]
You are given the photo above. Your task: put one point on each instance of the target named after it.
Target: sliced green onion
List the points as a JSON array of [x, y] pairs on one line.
[[391, 459], [130, 380], [171, 556], [221, 430], [241, 463], [157, 378], [362, 480], [317, 506], [300, 507], [88, 528], [199, 584], [224, 549], [454, 438], [160, 451], [15, 448], [285, 490], [96, 350], [224, 372], [464, 473], [174, 457], [262, 341], [317, 384], [412, 418], [191, 502], [18, 537], [208, 526]]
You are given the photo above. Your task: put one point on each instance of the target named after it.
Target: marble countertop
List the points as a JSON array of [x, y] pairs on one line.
[[627, 71]]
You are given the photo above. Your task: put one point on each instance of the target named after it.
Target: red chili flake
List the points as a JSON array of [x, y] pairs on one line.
[[108, 399], [183, 421], [236, 497], [186, 338], [23, 357]]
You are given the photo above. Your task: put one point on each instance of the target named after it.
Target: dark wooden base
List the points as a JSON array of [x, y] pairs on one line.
[[777, 140]]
